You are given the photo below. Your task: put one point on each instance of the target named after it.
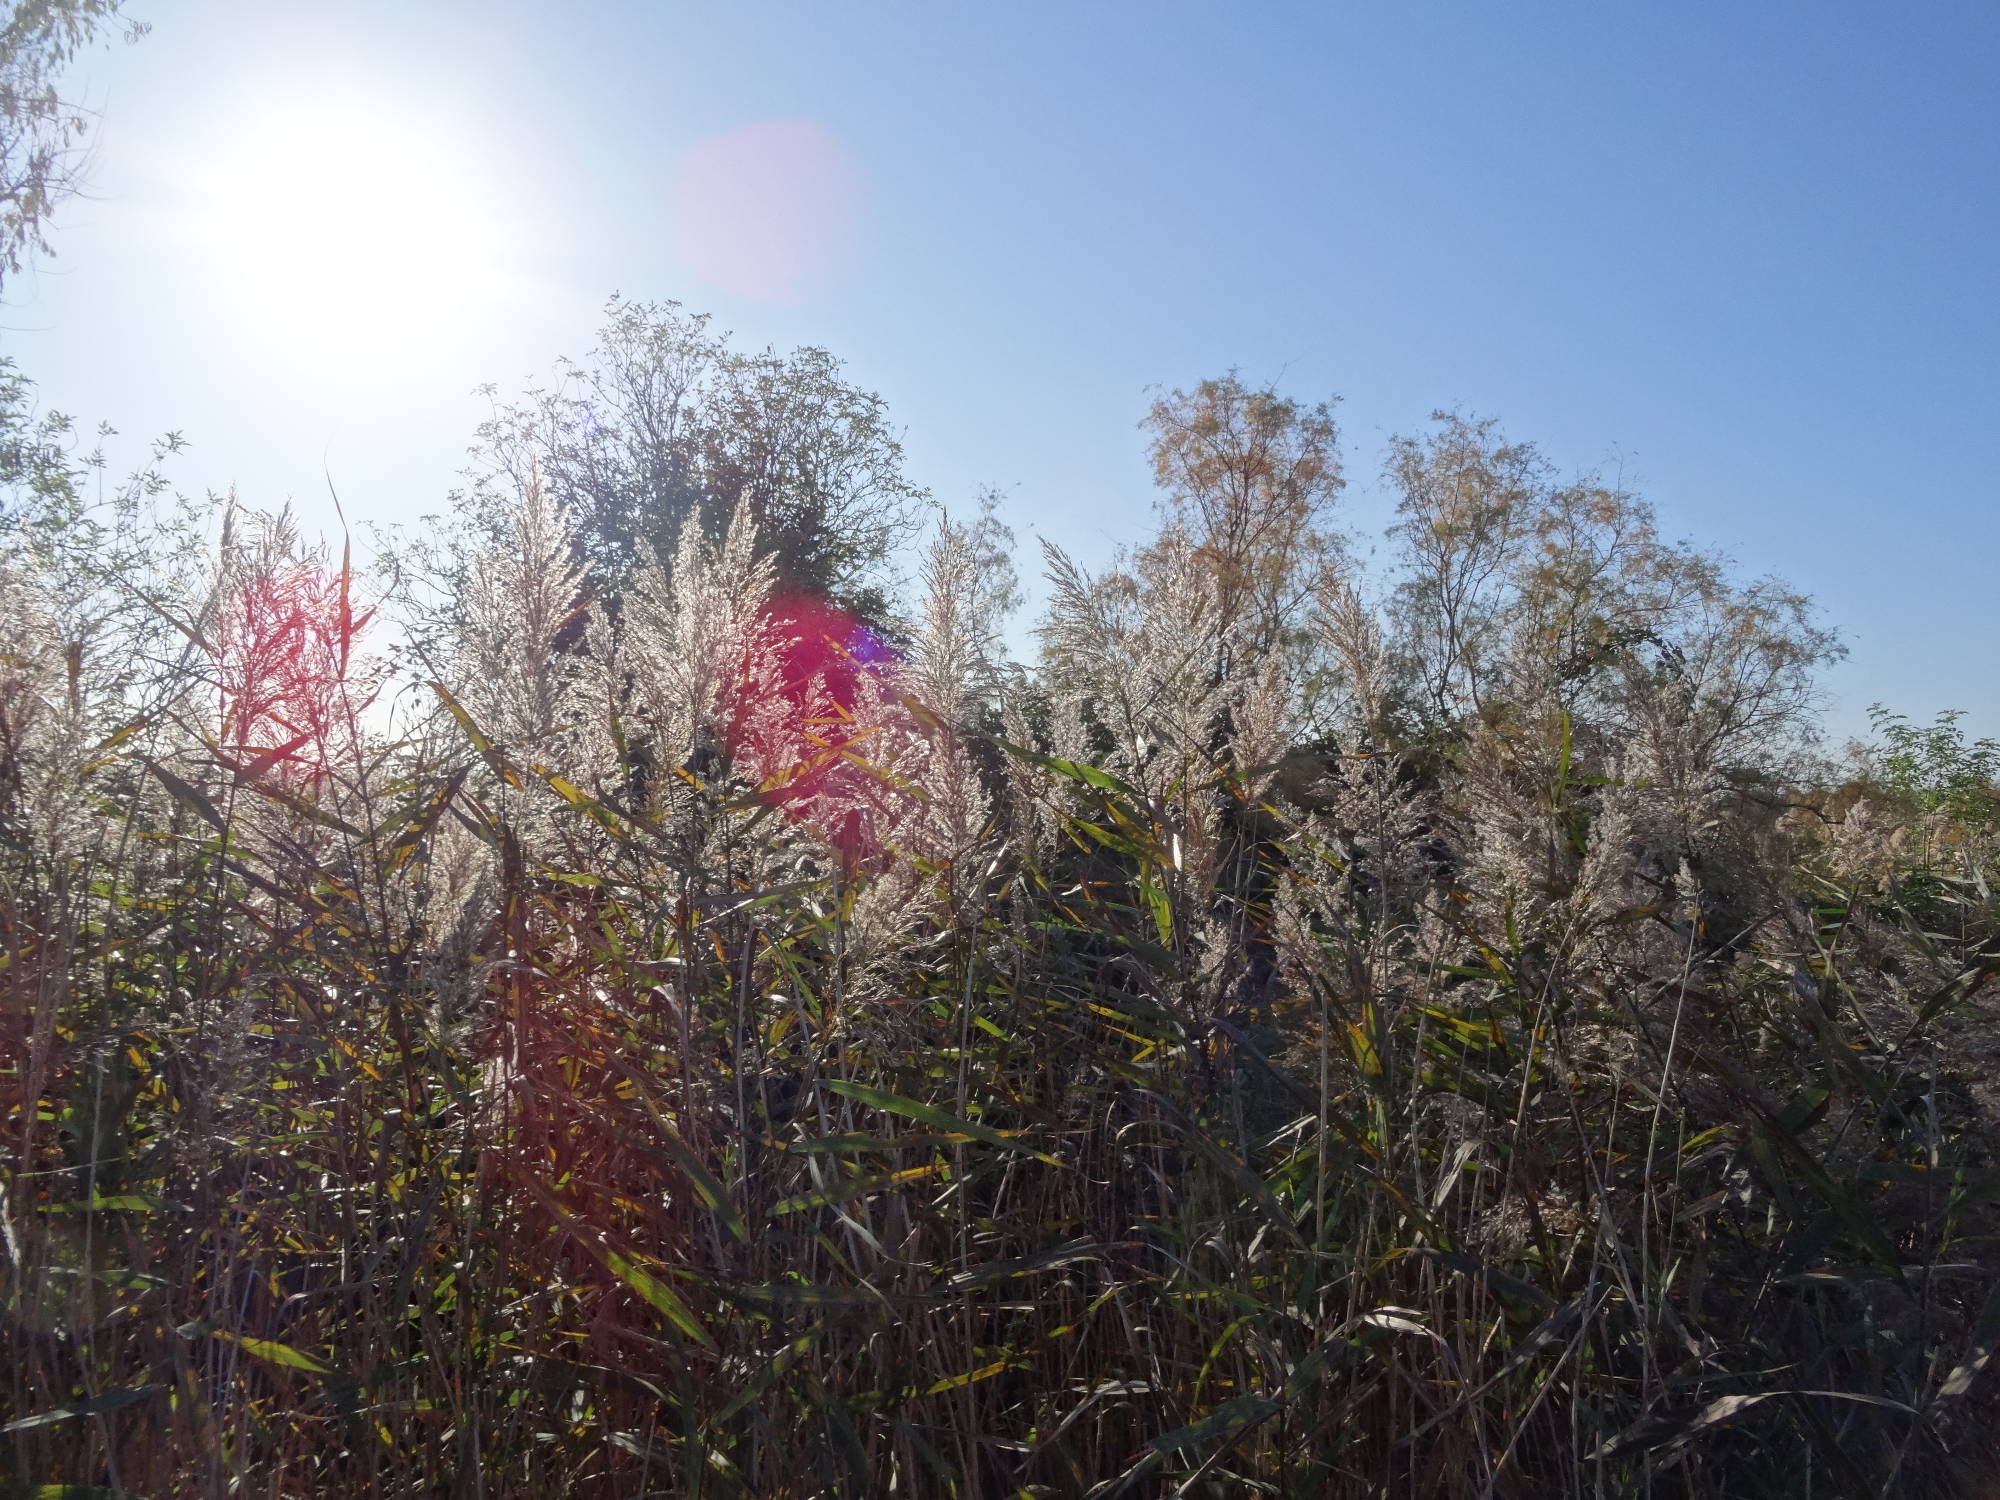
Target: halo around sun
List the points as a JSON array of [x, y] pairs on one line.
[[349, 235]]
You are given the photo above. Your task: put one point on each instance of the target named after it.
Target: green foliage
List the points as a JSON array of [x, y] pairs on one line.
[[41, 132], [1938, 770], [663, 421]]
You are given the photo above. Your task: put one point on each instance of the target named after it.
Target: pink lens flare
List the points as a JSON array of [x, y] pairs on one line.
[[293, 681], [768, 212], [820, 741]]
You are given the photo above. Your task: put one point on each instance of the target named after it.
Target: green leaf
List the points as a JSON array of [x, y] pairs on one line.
[[1805, 1110], [1673, 1429], [1496, 1280], [419, 817], [853, 1187], [481, 741], [255, 766], [193, 796], [102, 755], [931, 1115], [710, 1192], [656, 1292], [94, 1406], [584, 803], [712, 1195], [1860, 1220], [1253, 1187], [1163, 911], [858, 1143], [1226, 1421], [129, 1203], [1958, 989], [801, 1294], [1072, 770], [1979, 1352], [970, 1377], [660, 1295], [273, 1352], [780, 1362], [1006, 1270]]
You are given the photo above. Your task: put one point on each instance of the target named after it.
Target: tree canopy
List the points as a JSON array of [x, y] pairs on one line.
[[43, 154], [663, 424]]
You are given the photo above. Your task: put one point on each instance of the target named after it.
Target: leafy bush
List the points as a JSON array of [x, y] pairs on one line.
[[1938, 770]]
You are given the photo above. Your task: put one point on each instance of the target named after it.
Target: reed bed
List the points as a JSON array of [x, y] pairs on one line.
[[1068, 1087]]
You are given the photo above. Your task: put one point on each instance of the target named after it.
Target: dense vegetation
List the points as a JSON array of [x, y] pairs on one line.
[[661, 1020], [673, 1012]]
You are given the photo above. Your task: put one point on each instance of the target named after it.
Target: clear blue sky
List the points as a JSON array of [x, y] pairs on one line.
[[1748, 252]]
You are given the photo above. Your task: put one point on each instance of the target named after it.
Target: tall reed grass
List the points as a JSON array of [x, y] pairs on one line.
[[611, 1080]]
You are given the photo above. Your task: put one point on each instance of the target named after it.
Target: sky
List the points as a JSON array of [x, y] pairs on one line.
[[1740, 257]]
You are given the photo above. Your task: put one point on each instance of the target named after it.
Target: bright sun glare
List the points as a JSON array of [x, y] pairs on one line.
[[351, 237]]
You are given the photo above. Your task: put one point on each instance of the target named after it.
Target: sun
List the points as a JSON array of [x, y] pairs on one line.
[[351, 236]]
